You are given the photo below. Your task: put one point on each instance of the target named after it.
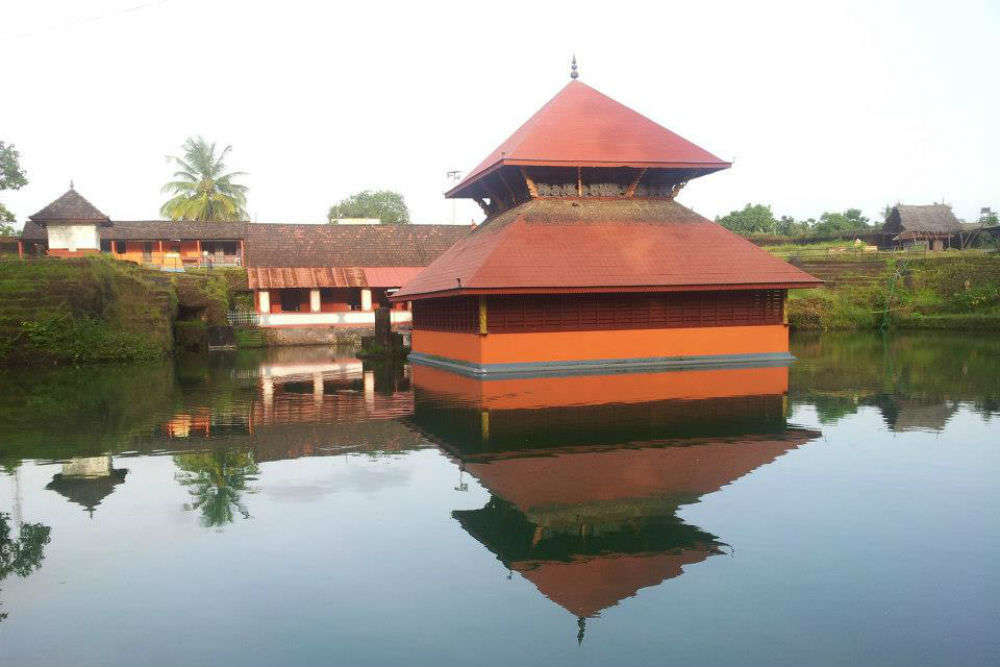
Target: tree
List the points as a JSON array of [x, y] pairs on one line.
[[789, 226], [988, 217], [850, 220], [753, 219], [12, 177], [386, 205], [217, 480], [24, 555], [203, 190]]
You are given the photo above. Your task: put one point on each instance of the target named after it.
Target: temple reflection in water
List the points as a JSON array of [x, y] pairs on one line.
[[586, 473]]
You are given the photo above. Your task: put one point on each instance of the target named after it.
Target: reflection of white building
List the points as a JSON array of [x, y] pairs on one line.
[[311, 385], [87, 480]]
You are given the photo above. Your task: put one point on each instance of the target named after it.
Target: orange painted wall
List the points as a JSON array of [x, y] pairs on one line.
[[601, 389], [62, 252], [606, 344], [461, 346], [134, 253]]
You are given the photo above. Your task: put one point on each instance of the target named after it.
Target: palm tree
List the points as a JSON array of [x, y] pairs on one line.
[[203, 191], [218, 479]]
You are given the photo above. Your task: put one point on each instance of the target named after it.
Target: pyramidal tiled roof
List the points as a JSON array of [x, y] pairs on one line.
[[582, 127], [71, 207], [559, 246]]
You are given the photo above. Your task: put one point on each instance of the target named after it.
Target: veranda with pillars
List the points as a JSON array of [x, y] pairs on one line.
[[326, 306], [178, 254]]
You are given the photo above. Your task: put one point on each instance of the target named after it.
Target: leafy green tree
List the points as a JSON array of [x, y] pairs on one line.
[[850, 220], [789, 226], [23, 555], [203, 190], [753, 219], [386, 205], [218, 479], [988, 217], [12, 177]]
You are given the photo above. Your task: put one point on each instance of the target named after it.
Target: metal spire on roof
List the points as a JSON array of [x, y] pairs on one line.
[[71, 184], [572, 70]]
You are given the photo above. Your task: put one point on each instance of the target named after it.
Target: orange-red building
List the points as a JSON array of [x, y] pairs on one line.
[[586, 261]]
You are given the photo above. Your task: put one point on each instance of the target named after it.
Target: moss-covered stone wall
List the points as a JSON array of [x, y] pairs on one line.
[[950, 290], [93, 309]]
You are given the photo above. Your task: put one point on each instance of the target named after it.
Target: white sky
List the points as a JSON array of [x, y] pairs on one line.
[[822, 106]]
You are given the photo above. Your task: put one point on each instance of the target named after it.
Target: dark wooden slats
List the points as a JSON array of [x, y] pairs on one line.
[[523, 313]]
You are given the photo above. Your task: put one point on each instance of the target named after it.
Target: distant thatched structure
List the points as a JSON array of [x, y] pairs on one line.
[[933, 223]]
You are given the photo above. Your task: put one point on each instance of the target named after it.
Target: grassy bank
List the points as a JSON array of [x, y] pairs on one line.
[[947, 290], [96, 309]]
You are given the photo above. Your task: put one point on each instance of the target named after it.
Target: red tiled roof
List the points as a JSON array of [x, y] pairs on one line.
[[278, 245], [351, 276], [391, 276], [575, 245], [277, 277], [583, 127]]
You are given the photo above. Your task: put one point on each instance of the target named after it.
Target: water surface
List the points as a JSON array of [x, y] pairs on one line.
[[299, 508]]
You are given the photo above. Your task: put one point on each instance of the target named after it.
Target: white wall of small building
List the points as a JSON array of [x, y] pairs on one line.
[[357, 318], [74, 237]]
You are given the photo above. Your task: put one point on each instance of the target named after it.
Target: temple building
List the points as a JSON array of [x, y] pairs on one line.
[[586, 261], [302, 275]]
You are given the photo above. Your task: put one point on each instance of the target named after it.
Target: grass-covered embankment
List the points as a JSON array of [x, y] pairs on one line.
[[944, 290], [96, 309]]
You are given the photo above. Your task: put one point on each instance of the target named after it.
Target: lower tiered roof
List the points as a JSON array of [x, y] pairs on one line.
[[586, 245]]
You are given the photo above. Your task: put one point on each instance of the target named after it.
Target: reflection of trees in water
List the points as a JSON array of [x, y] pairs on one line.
[[217, 481], [916, 379], [23, 555]]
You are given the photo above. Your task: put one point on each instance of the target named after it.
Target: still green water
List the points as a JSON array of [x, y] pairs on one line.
[[299, 508]]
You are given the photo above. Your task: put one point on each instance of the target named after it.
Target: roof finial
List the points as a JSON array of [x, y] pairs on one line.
[[572, 70], [71, 184]]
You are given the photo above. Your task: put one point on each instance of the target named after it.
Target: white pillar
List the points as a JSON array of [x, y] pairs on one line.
[[314, 302], [318, 388], [366, 299], [370, 390], [267, 394], [265, 301]]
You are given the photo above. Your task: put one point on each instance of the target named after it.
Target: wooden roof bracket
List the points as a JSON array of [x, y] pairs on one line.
[[630, 192], [579, 181], [503, 179], [676, 189], [483, 205], [532, 187]]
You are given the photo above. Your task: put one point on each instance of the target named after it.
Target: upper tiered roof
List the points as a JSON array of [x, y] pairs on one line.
[[70, 207], [581, 127]]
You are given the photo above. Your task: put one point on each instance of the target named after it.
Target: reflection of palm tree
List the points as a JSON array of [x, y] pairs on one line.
[[23, 555], [217, 480]]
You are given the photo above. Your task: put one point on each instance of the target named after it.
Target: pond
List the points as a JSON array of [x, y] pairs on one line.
[[301, 508]]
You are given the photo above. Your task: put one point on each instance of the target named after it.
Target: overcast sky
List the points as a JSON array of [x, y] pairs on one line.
[[822, 106]]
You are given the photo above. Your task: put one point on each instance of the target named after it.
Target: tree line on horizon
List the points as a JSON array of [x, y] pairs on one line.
[[759, 219], [202, 189]]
